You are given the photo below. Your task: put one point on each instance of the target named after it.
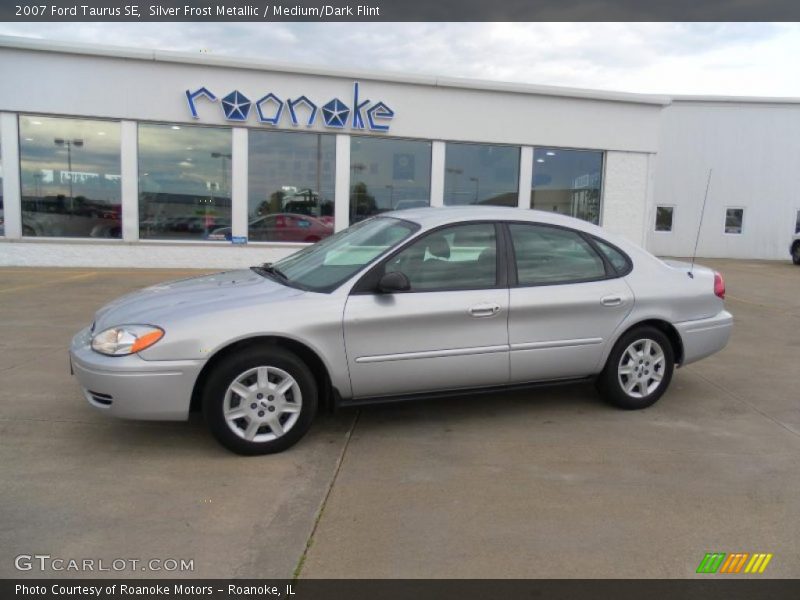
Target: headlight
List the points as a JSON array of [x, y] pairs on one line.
[[126, 339]]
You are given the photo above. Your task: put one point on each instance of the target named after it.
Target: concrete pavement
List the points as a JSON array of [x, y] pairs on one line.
[[553, 483], [75, 484], [546, 483]]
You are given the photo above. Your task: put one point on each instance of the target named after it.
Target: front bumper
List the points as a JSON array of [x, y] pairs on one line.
[[704, 337], [131, 387]]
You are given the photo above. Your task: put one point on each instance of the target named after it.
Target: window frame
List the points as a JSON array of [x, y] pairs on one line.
[[725, 220], [282, 243], [430, 143], [603, 163], [628, 260], [610, 271], [368, 282], [161, 240], [517, 147], [671, 223], [87, 239]]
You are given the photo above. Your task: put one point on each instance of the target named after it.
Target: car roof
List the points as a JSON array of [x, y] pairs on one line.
[[430, 217]]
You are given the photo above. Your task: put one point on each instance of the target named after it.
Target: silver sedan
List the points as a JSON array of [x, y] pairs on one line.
[[413, 303]]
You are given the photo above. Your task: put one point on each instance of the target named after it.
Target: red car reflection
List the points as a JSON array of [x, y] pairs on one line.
[[284, 227]]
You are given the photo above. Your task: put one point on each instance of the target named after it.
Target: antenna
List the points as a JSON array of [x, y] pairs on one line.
[[700, 225]]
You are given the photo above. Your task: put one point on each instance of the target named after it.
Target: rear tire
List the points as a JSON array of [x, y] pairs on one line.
[[639, 369], [261, 400], [796, 253]]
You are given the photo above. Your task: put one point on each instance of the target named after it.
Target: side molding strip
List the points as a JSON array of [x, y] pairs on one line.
[[556, 344], [432, 354]]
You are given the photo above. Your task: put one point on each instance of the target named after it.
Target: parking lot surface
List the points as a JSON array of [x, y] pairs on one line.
[[544, 483]]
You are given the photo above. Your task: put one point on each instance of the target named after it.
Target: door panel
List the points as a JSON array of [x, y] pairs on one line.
[[419, 342], [566, 308], [450, 330], [560, 331]]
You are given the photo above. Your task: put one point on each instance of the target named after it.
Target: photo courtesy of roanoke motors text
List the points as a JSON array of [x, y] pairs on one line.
[[437, 300]]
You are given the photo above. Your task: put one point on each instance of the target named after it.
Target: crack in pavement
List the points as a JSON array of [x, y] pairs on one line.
[[340, 461]]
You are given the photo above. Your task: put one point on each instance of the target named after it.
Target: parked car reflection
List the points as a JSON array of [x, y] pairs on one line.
[[282, 227]]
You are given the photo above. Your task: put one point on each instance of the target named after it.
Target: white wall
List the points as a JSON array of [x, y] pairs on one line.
[[626, 190], [104, 254], [754, 151], [72, 84]]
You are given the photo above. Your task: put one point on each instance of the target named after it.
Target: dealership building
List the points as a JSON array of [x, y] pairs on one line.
[[130, 158]]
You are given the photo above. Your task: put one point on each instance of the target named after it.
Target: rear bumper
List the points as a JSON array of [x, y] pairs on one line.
[[704, 337], [131, 387]]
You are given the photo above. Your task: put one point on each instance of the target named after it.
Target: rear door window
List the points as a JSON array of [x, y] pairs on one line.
[[551, 255]]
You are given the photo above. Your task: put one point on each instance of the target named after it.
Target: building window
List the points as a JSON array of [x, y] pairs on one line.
[[664, 216], [184, 182], [568, 182], [70, 177], [290, 204], [388, 174], [734, 218], [481, 174]]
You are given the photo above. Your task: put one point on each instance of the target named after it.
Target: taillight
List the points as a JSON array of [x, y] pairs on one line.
[[719, 286]]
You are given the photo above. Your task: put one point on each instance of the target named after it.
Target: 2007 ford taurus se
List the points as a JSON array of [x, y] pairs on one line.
[[411, 303]]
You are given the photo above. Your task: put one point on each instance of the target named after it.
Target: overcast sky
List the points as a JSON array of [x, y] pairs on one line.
[[758, 59]]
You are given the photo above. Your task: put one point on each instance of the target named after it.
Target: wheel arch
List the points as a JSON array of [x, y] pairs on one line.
[[309, 356], [662, 325]]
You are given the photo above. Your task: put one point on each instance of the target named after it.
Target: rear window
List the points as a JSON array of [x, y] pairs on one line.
[[620, 262]]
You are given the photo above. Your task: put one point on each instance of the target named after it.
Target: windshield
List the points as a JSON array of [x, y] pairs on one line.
[[329, 263]]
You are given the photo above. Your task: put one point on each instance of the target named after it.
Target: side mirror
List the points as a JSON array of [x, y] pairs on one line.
[[394, 281]]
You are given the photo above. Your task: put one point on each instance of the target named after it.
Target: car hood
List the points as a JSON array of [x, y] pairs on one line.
[[157, 303]]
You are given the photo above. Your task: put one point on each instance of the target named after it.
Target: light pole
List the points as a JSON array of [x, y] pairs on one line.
[[477, 181], [455, 173], [222, 156], [78, 143]]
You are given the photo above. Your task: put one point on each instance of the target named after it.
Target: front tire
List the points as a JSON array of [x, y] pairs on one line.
[[639, 369], [261, 400]]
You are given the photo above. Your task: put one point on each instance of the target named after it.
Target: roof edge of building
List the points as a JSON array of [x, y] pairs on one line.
[[169, 56], [709, 99]]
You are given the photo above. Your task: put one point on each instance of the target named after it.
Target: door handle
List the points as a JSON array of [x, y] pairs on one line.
[[484, 310], [611, 300]]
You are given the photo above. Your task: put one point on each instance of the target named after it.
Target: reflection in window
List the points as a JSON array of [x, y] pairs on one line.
[[70, 177], [733, 220], [388, 174], [481, 174], [664, 216], [291, 185], [184, 182], [455, 258], [549, 255], [617, 259], [567, 182], [323, 267]]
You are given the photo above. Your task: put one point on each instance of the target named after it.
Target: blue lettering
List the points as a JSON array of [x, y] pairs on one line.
[[192, 96]]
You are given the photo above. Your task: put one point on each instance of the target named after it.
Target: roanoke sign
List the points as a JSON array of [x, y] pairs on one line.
[[360, 113]]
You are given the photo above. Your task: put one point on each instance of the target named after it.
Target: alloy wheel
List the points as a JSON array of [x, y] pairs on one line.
[[262, 404], [641, 368]]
